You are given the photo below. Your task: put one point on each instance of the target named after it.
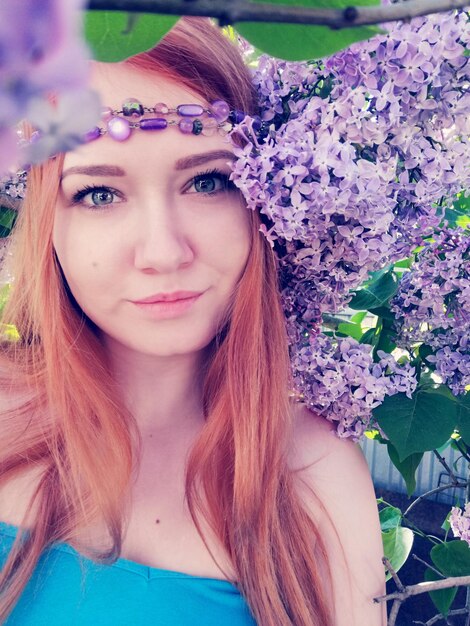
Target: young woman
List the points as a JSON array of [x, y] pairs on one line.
[[154, 469]]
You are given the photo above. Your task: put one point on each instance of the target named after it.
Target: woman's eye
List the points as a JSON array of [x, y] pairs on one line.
[[96, 197], [210, 183]]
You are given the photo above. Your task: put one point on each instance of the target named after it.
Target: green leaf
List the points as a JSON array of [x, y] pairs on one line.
[[114, 35], [390, 517], [397, 544], [452, 558], [383, 312], [446, 523], [414, 425], [351, 330], [297, 42], [371, 336], [7, 219], [463, 416], [357, 318], [405, 263], [386, 340], [443, 598], [459, 213], [407, 467], [376, 294]]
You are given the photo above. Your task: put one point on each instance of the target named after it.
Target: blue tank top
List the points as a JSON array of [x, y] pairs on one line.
[[68, 589]]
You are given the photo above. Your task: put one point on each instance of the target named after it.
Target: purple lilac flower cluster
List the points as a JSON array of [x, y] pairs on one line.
[[432, 305], [363, 152], [340, 381], [39, 43], [460, 522]]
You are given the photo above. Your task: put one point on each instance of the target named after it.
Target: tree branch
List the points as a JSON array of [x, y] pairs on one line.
[[233, 11], [432, 492], [425, 587], [400, 596], [439, 617]]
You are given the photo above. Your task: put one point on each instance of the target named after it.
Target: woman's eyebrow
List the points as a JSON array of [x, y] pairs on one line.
[[193, 160], [94, 170]]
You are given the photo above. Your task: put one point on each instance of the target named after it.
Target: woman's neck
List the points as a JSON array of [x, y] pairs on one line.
[[162, 393]]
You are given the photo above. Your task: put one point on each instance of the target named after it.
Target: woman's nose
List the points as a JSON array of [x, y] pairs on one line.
[[161, 243]]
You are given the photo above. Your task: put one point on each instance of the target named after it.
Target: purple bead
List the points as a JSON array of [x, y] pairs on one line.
[[220, 110], [153, 123], [92, 134], [236, 117], [185, 126], [190, 110], [119, 128]]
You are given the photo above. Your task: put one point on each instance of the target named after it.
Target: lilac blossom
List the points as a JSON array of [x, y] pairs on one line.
[[459, 521], [360, 154], [41, 52], [432, 306], [339, 380]]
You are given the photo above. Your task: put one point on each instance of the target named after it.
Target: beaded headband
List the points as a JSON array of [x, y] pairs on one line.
[[219, 117], [189, 119]]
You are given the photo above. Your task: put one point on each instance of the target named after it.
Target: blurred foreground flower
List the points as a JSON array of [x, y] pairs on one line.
[[41, 52]]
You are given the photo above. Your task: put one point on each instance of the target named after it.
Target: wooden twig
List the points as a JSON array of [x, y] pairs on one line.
[[443, 462], [436, 571], [432, 492], [400, 596], [425, 587], [393, 574], [245, 11], [437, 618]]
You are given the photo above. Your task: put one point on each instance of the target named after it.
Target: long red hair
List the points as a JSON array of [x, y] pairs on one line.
[[72, 421]]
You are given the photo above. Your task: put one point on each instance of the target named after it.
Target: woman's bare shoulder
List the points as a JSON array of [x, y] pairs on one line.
[[336, 487]]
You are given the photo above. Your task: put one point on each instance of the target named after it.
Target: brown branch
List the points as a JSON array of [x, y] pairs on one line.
[[443, 462], [425, 587], [432, 492], [233, 11], [439, 617], [400, 596]]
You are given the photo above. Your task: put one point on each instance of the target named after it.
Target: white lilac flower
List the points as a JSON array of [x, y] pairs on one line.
[[459, 521]]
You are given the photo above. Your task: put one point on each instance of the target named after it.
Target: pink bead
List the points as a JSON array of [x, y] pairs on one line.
[[210, 126], [161, 108], [119, 128], [185, 126]]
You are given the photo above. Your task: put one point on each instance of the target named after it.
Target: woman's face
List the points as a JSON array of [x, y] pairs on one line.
[[147, 218]]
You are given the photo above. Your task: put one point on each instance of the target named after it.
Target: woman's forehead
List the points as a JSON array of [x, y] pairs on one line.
[[116, 82]]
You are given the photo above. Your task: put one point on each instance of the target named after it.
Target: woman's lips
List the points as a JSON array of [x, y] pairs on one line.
[[168, 308]]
